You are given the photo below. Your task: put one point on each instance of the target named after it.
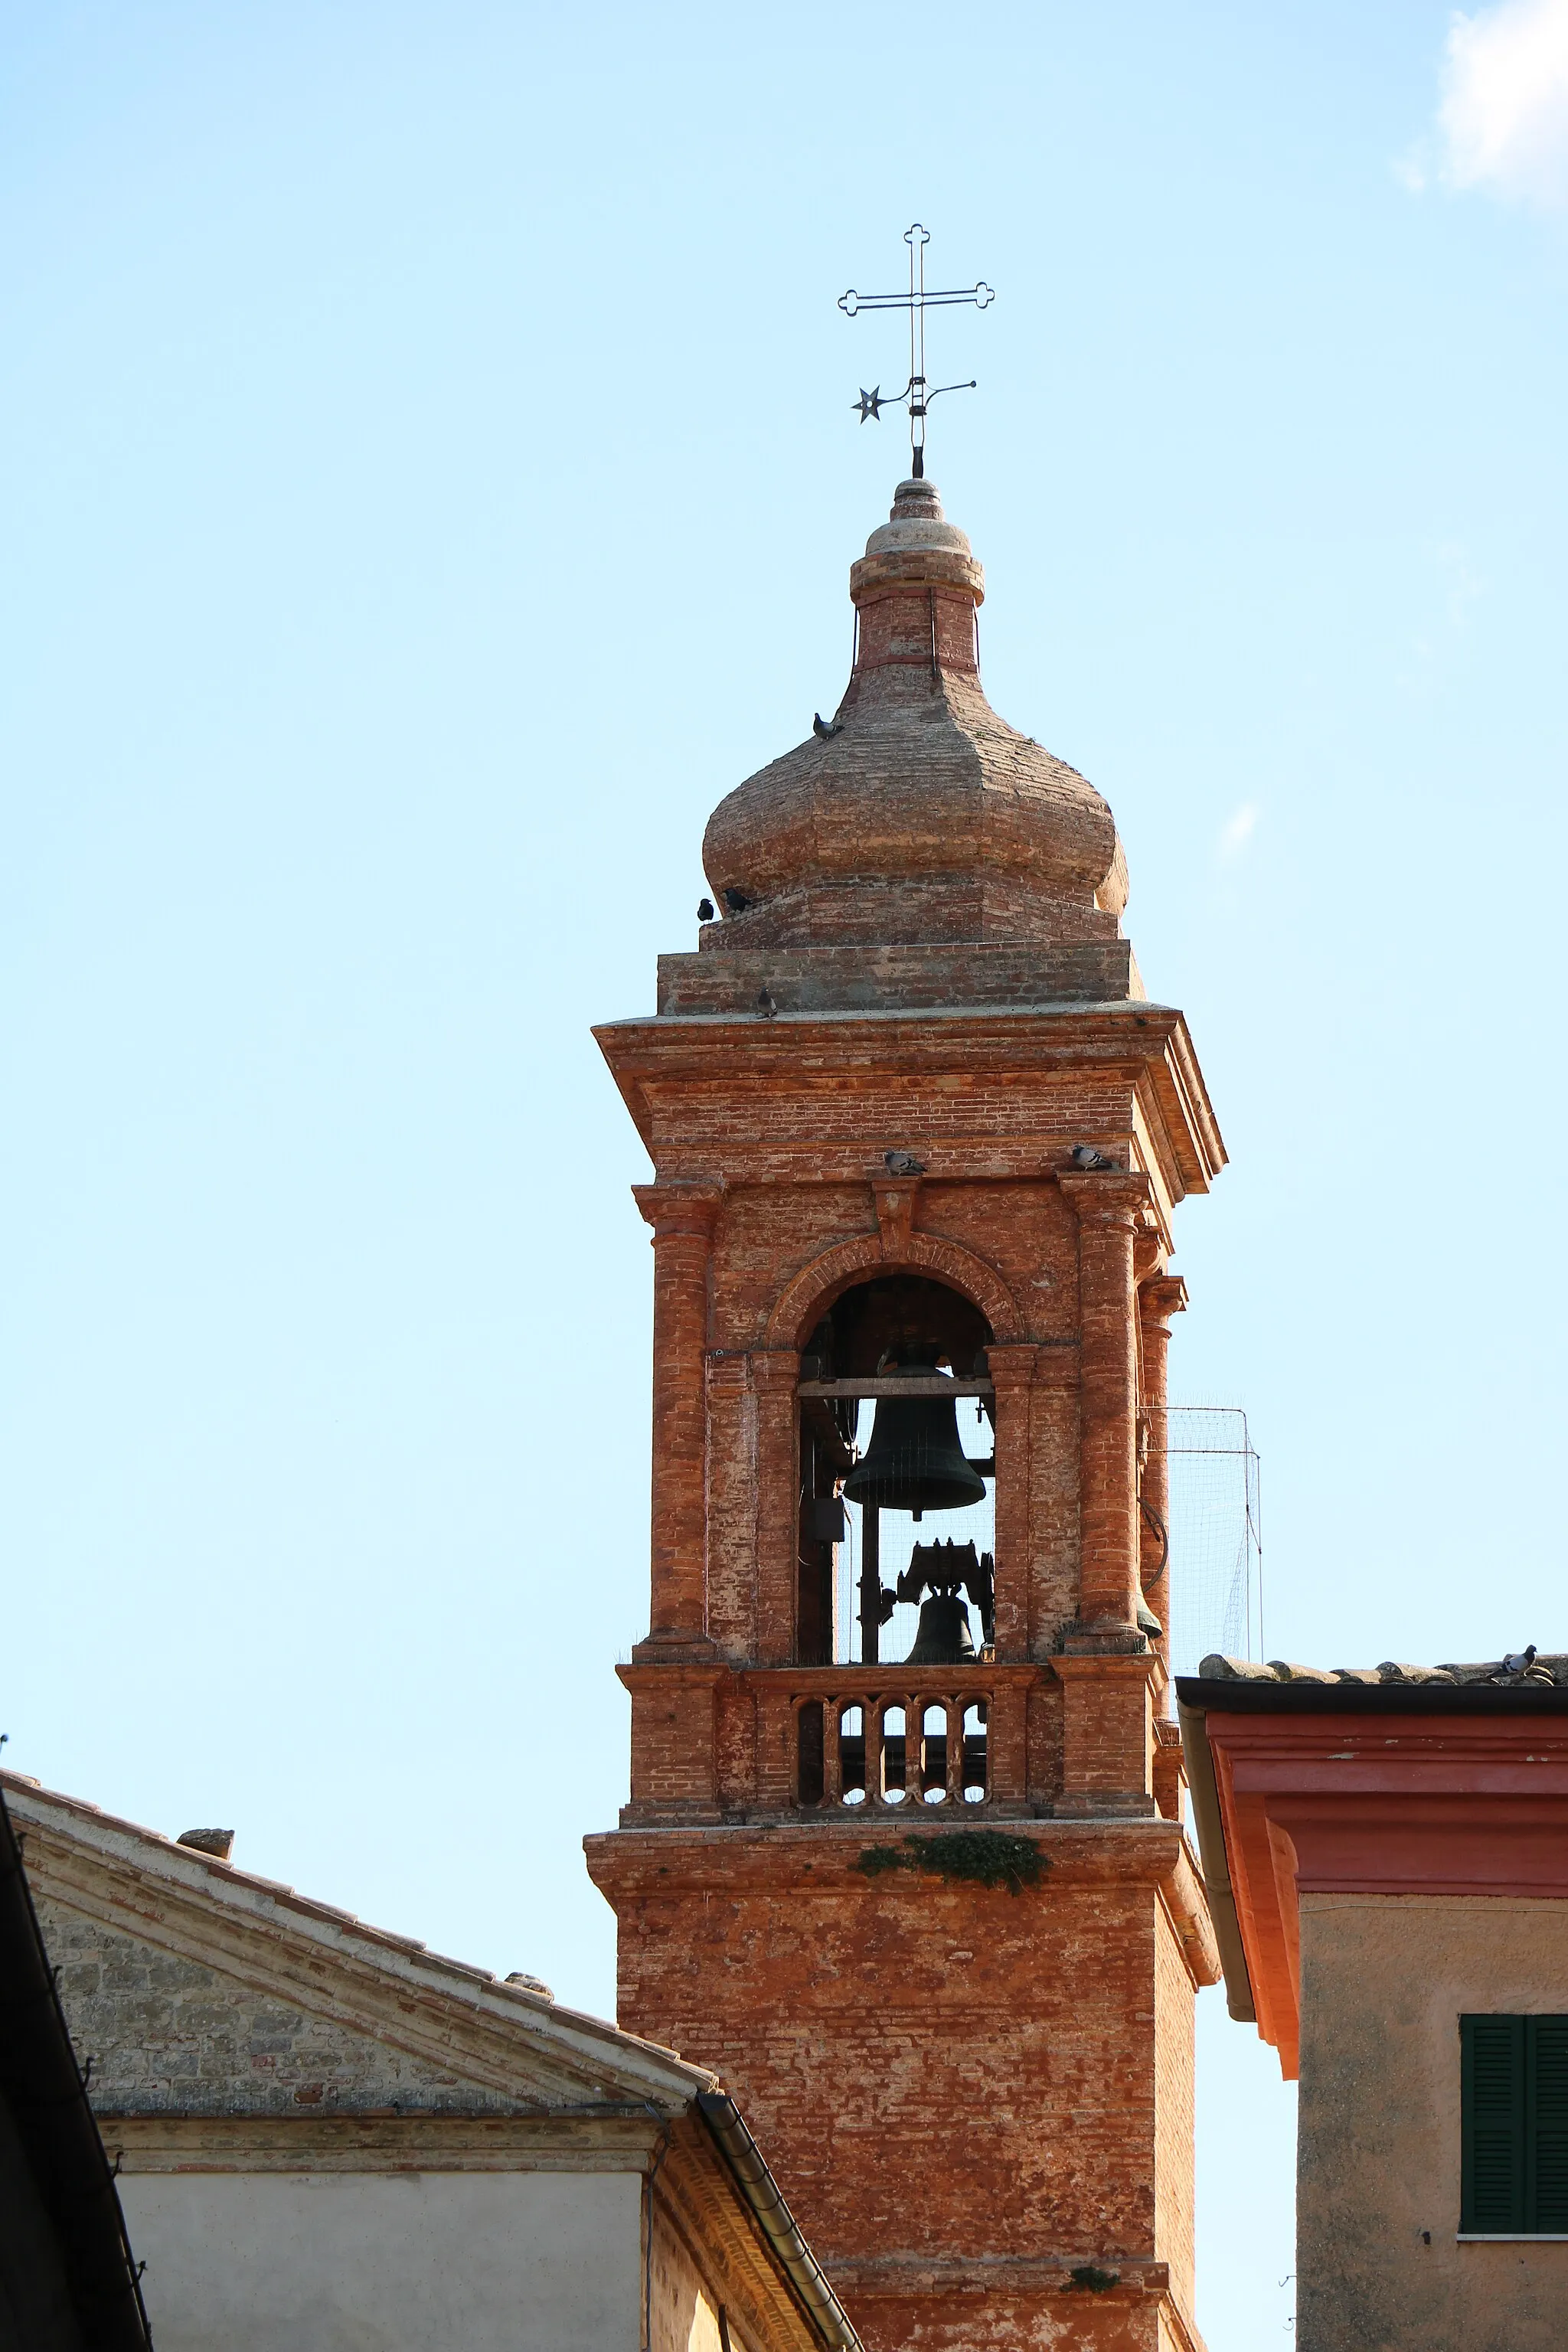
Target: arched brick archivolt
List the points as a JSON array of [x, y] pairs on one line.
[[812, 1292]]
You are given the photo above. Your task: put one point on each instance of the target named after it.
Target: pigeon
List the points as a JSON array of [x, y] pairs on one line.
[[820, 726], [1522, 1659], [767, 1008], [737, 901], [903, 1163], [1084, 1155], [705, 911]]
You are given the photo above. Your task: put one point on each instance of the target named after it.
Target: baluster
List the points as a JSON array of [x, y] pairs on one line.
[[955, 1751], [914, 1752], [832, 1761], [875, 1793]]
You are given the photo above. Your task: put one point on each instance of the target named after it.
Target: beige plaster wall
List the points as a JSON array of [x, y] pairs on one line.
[[684, 2314], [1384, 1978], [336, 2261]]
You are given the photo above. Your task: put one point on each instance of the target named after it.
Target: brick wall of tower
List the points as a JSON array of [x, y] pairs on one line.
[[967, 2096], [938, 2069]]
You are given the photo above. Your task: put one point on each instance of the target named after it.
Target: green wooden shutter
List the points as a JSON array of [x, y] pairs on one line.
[[1550, 2137], [1491, 2060], [1514, 2122]]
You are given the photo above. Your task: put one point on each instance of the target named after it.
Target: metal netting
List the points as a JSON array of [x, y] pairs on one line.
[[1215, 1530], [1216, 1527]]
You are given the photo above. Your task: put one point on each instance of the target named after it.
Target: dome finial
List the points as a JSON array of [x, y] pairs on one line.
[[918, 394]]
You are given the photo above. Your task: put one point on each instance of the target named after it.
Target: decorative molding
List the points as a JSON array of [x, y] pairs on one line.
[[813, 1290], [896, 1203]]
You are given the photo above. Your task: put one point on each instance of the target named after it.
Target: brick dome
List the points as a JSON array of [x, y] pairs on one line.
[[923, 817]]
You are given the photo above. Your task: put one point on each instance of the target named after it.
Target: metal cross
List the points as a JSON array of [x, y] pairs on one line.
[[917, 395]]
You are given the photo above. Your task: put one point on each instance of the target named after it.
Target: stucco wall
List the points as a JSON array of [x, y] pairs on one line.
[[341, 2261], [1384, 1979]]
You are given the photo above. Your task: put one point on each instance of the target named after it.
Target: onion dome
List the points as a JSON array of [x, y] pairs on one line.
[[918, 817]]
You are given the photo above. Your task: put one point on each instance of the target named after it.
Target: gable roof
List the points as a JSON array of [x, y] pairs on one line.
[[510, 2041]]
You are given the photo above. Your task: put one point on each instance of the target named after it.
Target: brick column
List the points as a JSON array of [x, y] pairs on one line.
[[775, 1376], [1162, 1295], [1106, 1203], [1013, 1373], [682, 1217]]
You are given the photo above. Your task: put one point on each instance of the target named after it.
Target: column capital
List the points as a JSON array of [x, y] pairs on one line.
[[1162, 1295], [1013, 1366], [1105, 1196], [688, 1209], [774, 1368]]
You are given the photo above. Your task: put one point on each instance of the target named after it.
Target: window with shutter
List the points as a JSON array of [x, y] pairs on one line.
[[1513, 2083]]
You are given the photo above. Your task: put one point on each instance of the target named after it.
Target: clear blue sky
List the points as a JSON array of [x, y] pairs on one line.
[[430, 481]]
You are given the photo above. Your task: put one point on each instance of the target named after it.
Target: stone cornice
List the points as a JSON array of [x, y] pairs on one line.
[[822, 1858], [1361, 1803], [559, 2142], [660, 1061], [500, 2037]]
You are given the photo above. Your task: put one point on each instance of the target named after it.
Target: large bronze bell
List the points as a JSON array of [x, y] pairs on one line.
[[914, 1462]]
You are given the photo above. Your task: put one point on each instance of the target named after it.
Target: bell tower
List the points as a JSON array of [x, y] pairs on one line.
[[903, 1857]]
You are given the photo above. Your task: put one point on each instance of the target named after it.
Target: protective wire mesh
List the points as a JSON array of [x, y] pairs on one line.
[[1215, 1527]]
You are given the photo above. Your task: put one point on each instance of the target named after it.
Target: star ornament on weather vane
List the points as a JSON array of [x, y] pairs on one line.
[[918, 392]]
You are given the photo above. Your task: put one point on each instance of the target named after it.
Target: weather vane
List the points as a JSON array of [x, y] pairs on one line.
[[917, 395]]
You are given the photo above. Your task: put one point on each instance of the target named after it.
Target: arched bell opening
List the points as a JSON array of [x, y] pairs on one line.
[[811, 1759], [933, 1755], [852, 1754], [895, 1777], [897, 1447], [975, 1779]]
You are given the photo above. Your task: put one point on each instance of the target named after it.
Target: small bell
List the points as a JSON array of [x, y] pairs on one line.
[[943, 1637]]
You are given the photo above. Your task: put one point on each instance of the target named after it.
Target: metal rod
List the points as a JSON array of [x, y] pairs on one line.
[[870, 1596], [895, 1384]]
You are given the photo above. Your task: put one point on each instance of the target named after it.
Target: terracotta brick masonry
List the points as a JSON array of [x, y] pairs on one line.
[[976, 2095]]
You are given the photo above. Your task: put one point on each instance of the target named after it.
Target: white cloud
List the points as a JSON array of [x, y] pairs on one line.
[[1504, 116], [1238, 830]]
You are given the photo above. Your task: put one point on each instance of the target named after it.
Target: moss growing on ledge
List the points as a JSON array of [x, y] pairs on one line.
[[981, 1857]]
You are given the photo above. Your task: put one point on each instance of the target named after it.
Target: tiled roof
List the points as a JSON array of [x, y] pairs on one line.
[[1524, 1670]]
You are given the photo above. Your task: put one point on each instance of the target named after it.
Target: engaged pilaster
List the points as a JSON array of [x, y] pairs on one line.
[[1107, 1204], [682, 1218], [1160, 1298]]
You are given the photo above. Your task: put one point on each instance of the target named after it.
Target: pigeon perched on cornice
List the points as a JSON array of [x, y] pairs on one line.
[[1085, 1155], [903, 1163]]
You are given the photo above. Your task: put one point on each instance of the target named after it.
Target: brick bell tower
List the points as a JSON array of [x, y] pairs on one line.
[[916, 1885]]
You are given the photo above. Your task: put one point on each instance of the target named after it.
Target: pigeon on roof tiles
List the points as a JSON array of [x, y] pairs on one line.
[[827, 731]]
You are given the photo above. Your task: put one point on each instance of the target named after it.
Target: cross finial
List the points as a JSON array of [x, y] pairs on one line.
[[917, 395]]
